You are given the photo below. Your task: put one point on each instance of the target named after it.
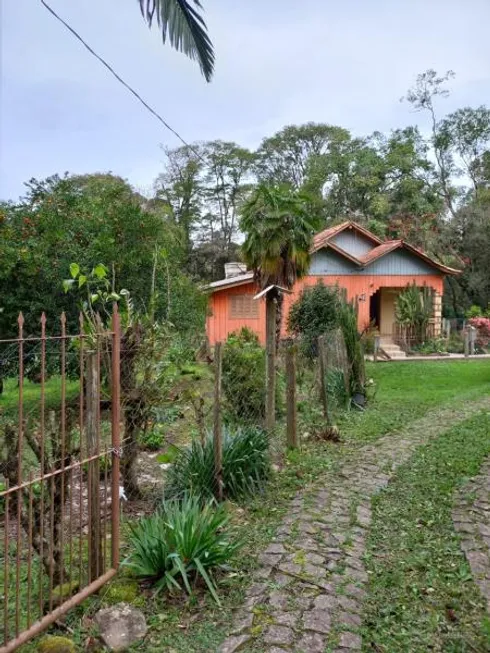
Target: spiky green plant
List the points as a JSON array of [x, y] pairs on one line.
[[353, 346], [413, 309], [181, 543], [245, 466]]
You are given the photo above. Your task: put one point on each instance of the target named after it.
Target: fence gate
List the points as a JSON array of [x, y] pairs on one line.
[[59, 471]]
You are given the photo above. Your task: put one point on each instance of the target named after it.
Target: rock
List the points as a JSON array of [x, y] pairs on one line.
[[311, 643], [317, 620], [326, 602], [281, 635], [350, 641], [52, 644], [234, 643], [121, 626], [278, 600]]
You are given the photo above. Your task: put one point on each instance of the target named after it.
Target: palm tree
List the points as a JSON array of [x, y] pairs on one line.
[[183, 25], [278, 234]]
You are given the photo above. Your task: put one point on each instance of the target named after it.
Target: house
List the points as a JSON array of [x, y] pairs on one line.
[[370, 270]]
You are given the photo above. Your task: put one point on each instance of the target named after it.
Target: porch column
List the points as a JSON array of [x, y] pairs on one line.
[[437, 313]]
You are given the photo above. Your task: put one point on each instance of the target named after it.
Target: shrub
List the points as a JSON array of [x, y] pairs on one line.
[[482, 326], [413, 309], [474, 311], [181, 543], [353, 346], [153, 439], [244, 376], [245, 466], [431, 346], [455, 343], [315, 313]]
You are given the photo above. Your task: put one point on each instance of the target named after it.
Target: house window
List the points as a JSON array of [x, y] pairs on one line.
[[243, 306]]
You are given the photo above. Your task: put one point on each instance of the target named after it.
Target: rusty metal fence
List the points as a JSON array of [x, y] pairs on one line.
[[59, 472]]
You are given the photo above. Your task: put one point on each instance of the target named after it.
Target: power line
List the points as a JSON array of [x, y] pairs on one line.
[[120, 79]]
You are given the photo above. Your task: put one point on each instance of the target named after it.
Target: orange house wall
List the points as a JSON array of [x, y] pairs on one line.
[[219, 324]]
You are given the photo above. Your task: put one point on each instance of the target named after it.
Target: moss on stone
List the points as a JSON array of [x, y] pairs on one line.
[[123, 590], [63, 592], [55, 644]]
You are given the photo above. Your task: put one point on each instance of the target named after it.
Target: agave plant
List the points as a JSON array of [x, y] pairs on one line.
[[245, 466], [413, 310], [181, 543]]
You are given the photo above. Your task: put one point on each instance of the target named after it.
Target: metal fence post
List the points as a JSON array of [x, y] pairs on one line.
[[472, 340], [217, 429], [92, 411], [377, 341], [291, 411], [270, 407], [116, 437], [466, 342]]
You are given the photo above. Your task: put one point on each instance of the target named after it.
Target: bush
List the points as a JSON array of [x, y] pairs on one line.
[[153, 439], [315, 313], [482, 326], [431, 346], [353, 346], [474, 311], [244, 376], [455, 344], [181, 543], [245, 466]]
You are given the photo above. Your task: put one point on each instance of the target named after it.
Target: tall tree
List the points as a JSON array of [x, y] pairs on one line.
[[278, 234], [181, 23]]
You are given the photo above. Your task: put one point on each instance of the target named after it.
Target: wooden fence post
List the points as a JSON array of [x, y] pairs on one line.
[[377, 340], [270, 377], [291, 411], [322, 361], [217, 428], [93, 474], [472, 340]]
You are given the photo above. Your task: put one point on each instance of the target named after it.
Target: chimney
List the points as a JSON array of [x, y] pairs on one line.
[[234, 268]]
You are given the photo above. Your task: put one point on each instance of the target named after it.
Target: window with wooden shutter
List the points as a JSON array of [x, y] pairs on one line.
[[243, 306]]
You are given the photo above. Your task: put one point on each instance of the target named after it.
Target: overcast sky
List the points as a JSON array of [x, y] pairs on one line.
[[345, 62]]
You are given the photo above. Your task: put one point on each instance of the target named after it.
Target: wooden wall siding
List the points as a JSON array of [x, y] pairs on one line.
[[353, 242], [219, 324], [399, 262], [327, 262]]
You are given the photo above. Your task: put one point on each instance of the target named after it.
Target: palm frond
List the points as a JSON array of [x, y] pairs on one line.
[[184, 27]]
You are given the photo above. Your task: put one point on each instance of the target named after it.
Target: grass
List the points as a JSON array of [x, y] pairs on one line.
[[9, 400], [421, 594], [406, 391]]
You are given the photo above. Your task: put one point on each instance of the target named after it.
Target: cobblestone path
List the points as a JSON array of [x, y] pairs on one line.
[[309, 589], [471, 517]]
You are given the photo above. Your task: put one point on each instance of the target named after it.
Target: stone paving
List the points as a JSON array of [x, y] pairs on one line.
[[308, 591], [471, 518]]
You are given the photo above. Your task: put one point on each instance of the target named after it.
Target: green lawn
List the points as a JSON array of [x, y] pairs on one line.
[[9, 400], [406, 391], [421, 594]]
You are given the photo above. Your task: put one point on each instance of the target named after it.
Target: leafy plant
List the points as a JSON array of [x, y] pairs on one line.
[[244, 377], [474, 311], [152, 439], [245, 466], [431, 346], [353, 346], [413, 310], [315, 313], [181, 543]]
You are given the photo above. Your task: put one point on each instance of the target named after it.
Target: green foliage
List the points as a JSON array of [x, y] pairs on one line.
[[455, 343], [431, 346], [184, 27], [413, 309], [124, 590], [353, 346], [152, 439], [245, 468], [243, 377], [477, 311], [181, 543], [315, 313], [278, 234]]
